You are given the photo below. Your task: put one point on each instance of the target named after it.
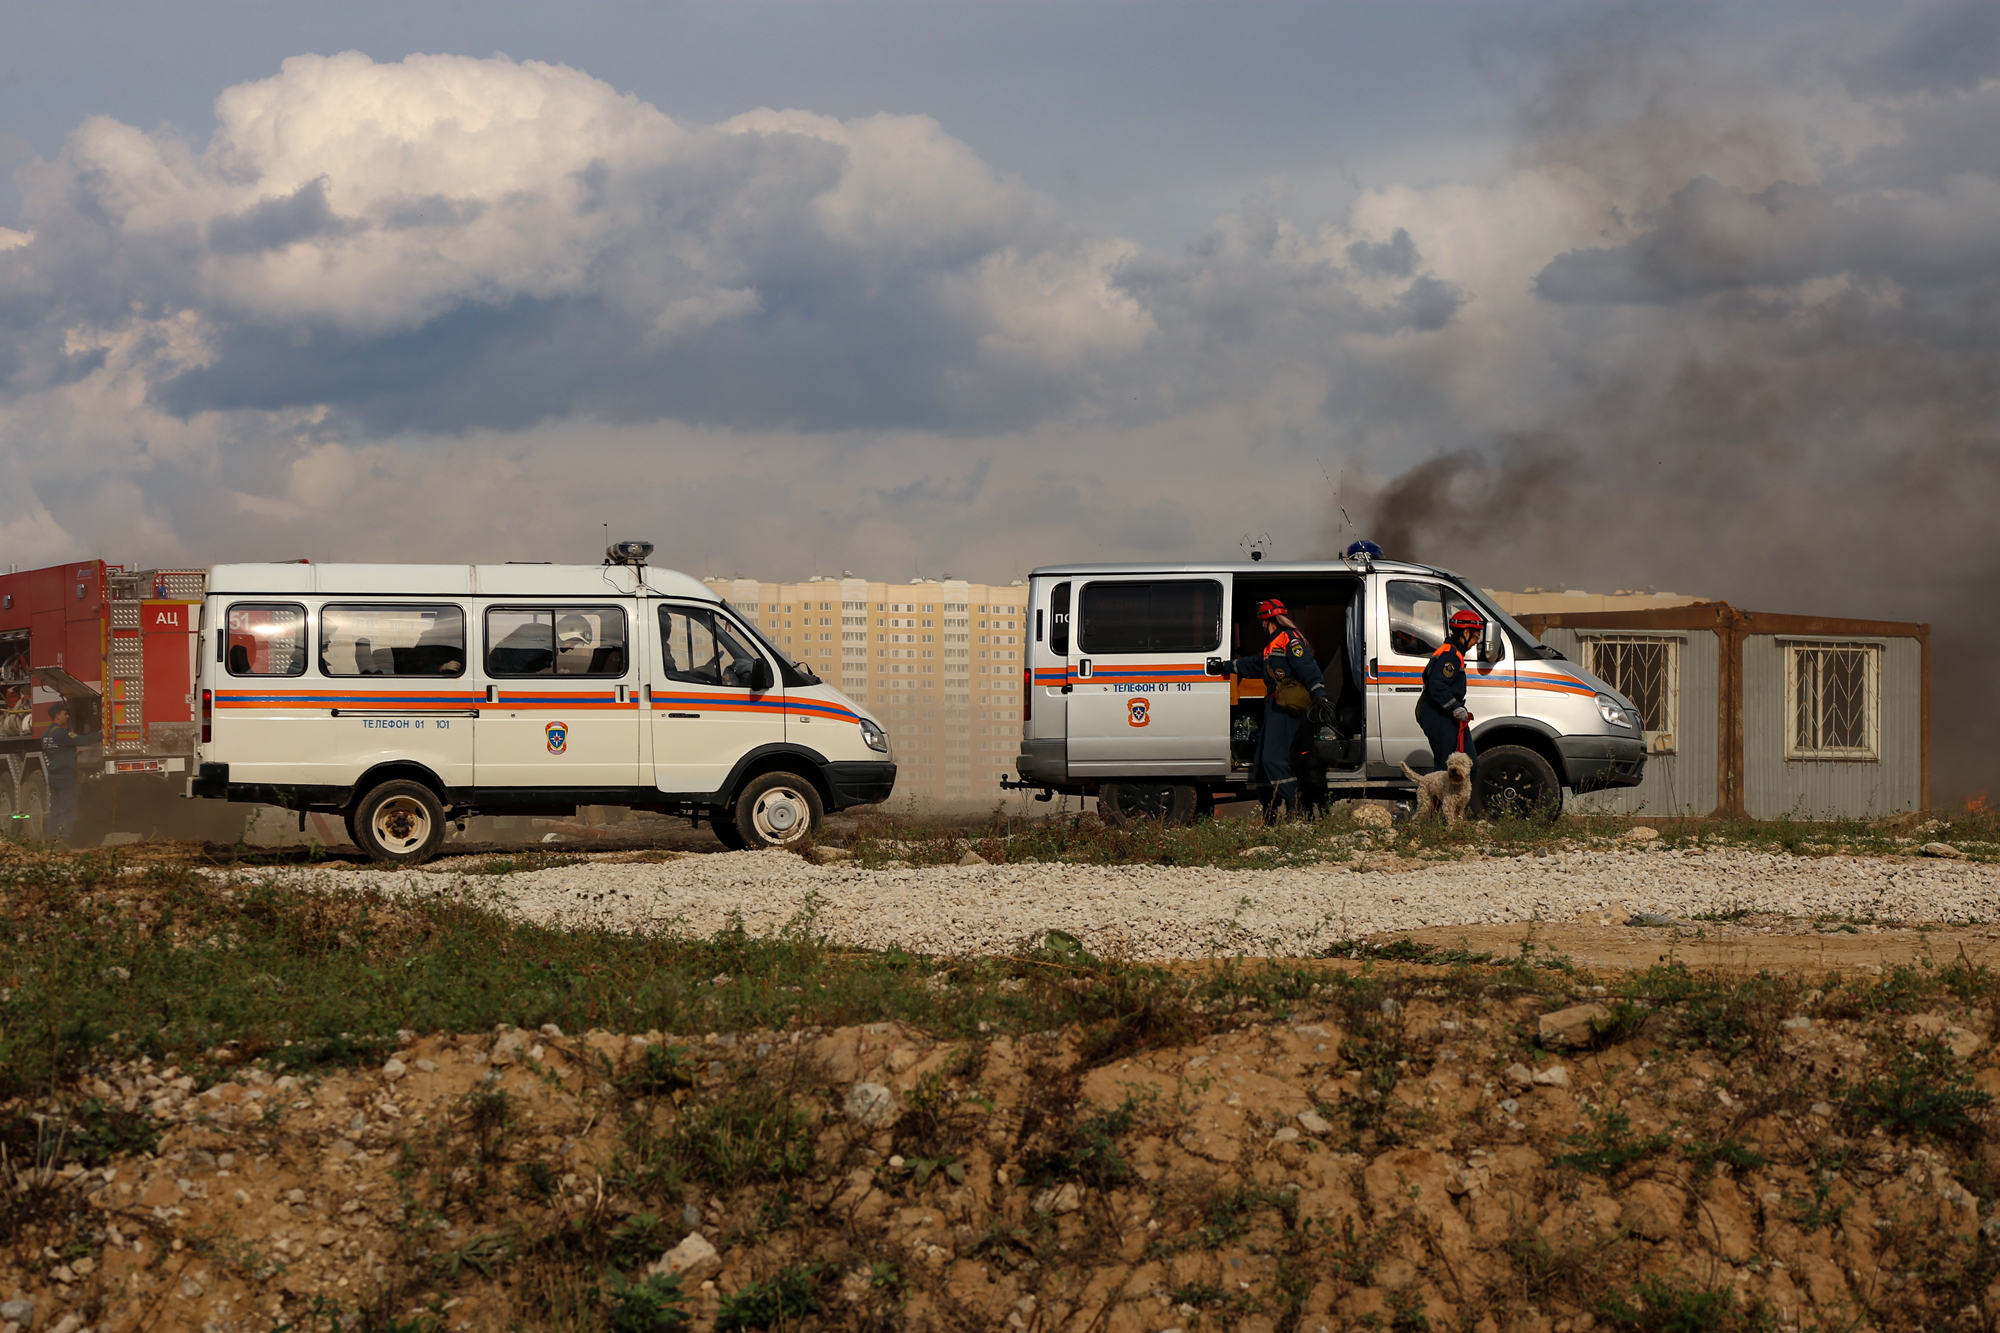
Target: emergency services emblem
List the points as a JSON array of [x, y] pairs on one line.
[[1138, 712], [558, 733], [1449, 671]]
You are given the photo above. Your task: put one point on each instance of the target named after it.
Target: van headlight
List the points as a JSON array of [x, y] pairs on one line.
[[1614, 712], [874, 737]]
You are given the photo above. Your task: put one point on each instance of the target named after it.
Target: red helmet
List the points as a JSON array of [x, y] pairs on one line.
[[1270, 609], [1467, 619]]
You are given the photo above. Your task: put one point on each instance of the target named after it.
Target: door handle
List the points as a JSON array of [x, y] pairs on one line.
[[493, 694], [1083, 668]]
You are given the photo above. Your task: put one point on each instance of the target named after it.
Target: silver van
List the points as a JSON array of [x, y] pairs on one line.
[[1117, 703]]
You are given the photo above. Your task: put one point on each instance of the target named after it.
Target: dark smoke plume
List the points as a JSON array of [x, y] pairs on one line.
[[1802, 410]]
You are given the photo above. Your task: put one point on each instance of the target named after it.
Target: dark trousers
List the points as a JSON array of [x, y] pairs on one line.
[[62, 808], [1275, 746], [1441, 730]]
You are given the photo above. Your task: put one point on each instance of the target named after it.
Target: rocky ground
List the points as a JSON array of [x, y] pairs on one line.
[[1634, 1084], [1424, 1154]]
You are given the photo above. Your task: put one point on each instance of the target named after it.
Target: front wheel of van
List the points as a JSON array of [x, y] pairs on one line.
[[1517, 783], [1122, 804], [777, 810], [401, 822]]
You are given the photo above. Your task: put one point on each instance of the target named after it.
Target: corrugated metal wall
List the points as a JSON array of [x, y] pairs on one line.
[[1774, 786], [1682, 783]]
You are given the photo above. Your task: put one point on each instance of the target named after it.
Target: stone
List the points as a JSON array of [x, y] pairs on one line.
[[1312, 1122], [509, 1046], [1641, 833], [393, 1069], [1797, 1023], [121, 839], [20, 1312], [1519, 1076], [872, 1105], [690, 1216], [1652, 1210], [972, 858], [118, 973], [1555, 1076], [1372, 816], [1064, 1198], [1571, 1028], [1961, 1042], [1286, 1134], [1258, 851], [552, 1031], [1943, 849], [694, 1259]]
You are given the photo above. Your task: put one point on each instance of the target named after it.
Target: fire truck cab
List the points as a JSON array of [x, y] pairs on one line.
[[1118, 704], [118, 647], [404, 697]]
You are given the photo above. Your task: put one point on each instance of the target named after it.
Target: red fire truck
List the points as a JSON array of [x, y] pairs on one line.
[[119, 647]]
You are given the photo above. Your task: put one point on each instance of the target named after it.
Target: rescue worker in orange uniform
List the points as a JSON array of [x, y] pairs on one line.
[[1287, 658], [1441, 710]]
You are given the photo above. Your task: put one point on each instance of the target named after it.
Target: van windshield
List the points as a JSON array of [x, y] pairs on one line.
[[801, 674], [1525, 643]]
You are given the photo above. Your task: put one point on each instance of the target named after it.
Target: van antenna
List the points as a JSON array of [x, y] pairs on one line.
[[1258, 546]]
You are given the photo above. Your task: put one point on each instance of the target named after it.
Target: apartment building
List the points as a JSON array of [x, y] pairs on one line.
[[939, 661]]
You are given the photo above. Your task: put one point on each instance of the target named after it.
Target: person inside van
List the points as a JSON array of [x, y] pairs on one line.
[[1294, 688]]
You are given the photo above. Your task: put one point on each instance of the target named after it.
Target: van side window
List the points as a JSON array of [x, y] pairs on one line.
[[1182, 616], [1059, 620], [698, 647], [1417, 614], [391, 641], [265, 639], [556, 641]]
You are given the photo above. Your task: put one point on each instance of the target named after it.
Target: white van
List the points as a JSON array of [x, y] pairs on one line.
[[1118, 704], [406, 696]]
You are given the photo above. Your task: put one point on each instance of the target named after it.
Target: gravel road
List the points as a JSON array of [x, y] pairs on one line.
[[1161, 912]]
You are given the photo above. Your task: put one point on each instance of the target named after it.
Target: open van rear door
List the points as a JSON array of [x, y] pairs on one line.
[[1142, 705]]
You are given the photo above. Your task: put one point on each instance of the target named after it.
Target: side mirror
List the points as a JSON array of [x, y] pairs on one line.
[[1489, 644], [761, 678]]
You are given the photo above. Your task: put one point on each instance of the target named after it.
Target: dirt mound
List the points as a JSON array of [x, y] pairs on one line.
[[1427, 1153]]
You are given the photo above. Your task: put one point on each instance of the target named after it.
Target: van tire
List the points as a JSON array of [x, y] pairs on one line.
[[1123, 804], [399, 822], [1517, 783], [777, 810], [33, 808], [724, 824]]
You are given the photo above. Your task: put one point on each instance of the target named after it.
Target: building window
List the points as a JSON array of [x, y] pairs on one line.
[[1645, 668], [1833, 695]]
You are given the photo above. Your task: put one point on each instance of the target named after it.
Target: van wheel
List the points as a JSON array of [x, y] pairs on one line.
[[33, 811], [401, 822], [777, 810], [1122, 804], [1517, 783]]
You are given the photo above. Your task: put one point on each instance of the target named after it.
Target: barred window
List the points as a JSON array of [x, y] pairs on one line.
[[1646, 669], [1833, 701]]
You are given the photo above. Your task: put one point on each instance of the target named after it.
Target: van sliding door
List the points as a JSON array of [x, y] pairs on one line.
[[1141, 703]]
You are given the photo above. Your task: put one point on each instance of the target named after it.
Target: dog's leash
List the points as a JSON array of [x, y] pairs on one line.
[[1461, 736]]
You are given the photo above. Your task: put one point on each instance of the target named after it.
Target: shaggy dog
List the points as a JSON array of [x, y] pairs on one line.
[[1448, 791]]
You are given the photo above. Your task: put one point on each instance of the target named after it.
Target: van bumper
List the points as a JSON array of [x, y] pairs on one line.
[[1043, 760], [860, 782], [1591, 763]]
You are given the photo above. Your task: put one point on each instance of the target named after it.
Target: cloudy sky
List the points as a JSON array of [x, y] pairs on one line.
[[1569, 293]]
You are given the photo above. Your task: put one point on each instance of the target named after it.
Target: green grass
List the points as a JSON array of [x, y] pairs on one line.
[[1081, 839], [313, 980]]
